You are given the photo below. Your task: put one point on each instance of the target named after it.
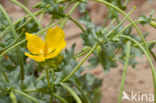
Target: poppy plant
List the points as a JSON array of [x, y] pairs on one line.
[[41, 50]]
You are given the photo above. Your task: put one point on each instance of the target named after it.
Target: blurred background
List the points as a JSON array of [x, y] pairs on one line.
[[139, 79]]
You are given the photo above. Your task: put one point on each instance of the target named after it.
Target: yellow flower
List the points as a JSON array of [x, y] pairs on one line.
[[40, 50]]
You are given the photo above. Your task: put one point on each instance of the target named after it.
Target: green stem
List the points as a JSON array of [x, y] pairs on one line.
[[72, 93], [110, 24], [51, 21], [52, 84], [125, 3], [74, 21], [49, 85], [82, 52], [112, 12], [60, 98], [8, 28], [13, 97], [116, 52], [105, 21], [55, 95], [8, 19], [70, 12], [82, 92], [45, 29], [12, 47], [148, 57], [154, 56], [31, 90], [40, 18], [137, 21], [48, 80], [26, 95], [5, 76], [19, 55], [82, 61], [22, 25], [28, 11], [14, 42], [21, 63], [124, 71], [148, 43], [121, 22], [67, 6], [40, 77]]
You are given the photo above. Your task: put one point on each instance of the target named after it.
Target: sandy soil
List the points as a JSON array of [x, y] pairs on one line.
[[138, 80]]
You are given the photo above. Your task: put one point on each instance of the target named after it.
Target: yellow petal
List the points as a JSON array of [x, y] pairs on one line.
[[54, 39], [38, 58], [35, 45], [57, 50]]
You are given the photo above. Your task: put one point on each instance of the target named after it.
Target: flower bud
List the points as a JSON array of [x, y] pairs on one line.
[[153, 24], [98, 49]]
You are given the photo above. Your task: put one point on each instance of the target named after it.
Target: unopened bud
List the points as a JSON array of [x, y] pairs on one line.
[[153, 24], [98, 49]]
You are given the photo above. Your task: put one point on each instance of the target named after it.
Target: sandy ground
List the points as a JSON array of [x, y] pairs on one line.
[[138, 80]]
